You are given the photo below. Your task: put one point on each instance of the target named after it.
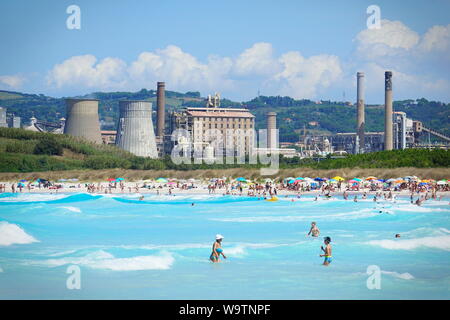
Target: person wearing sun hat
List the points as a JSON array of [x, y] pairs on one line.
[[217, 249]]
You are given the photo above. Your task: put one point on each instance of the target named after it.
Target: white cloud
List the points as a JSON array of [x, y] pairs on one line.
[[180, 69], [436, 38], [257, 60], [12, 81], [84, 71], [392, 38], [290, 74], [302, 76]]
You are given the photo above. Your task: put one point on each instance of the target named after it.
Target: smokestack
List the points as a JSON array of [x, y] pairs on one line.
[[160, 102], [360, 118], [135, 128], [82, 119], [388, 140], [271, 130]]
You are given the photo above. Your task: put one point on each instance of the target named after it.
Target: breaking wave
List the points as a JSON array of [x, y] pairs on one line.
[[104, 260], [13, 234]]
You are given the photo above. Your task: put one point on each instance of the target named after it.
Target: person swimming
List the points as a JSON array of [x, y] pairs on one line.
[[326, 251], [314, 231], [217, 249]]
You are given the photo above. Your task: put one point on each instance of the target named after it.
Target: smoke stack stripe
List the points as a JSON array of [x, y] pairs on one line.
[[135, 128], [160, 101], [82, 119], [360, 110], [388, 139]]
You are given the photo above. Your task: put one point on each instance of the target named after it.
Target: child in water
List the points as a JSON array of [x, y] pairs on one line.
[[326, 251], [314, 231], [217, 249]]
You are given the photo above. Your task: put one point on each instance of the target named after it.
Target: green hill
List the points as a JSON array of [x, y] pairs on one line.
[[27, 151]]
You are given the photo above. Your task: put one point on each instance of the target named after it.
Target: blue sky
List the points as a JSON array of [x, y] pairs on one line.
[[305, 49]]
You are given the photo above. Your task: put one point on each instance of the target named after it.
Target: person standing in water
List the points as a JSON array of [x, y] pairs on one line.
[[326, 251], [314, 231], [217, 249]]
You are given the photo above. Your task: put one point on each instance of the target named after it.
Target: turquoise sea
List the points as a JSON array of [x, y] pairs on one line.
[[159, 248]]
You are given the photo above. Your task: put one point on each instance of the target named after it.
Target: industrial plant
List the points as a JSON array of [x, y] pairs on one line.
[[235, 127]]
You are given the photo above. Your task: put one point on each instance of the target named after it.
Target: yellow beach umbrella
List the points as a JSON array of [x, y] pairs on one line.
[[338, 178]]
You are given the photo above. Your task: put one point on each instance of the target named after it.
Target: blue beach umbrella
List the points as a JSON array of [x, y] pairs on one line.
[[300, 178], [120, 179], [319, 179], [241, 179]]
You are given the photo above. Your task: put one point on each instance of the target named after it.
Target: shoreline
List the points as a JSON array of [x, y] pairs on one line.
[[203, 190], [95, 176]]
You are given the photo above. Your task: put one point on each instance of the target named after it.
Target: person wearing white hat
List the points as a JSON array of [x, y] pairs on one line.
[[217, 249]]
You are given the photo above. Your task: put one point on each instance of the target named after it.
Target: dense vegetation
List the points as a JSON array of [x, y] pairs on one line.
[[27, 151], [322, 117]]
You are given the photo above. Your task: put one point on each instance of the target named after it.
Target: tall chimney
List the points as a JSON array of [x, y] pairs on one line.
[[360, 118], [388, 141], [271, 130], [160, 103]]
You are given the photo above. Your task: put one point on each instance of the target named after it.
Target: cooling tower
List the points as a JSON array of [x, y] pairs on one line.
[[360, 118], [82, 119], [135, 128], [388, 140], [271, 130], [160, 103]]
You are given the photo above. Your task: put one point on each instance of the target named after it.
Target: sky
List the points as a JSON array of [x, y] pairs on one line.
[[302, 49]]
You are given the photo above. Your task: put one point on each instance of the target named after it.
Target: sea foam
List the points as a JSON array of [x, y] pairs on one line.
[[439, 242], [101, 259], [13, 234]]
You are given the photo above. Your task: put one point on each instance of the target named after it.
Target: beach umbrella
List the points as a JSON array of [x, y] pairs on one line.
[[289, 178], [357, 179], [353, 181], [319, 179], [400, 181], [300, 178], [441, 182], [111, 179], [120, 179], [241, 179], [162, 180], [338, 178], [23, 180], [422, 184], [371, 178], [390, 180], [291, 181]]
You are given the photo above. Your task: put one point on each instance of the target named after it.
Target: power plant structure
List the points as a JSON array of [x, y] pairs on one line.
[[3, 123], [161, 105], [82, 119], [135, 128], [360, 117], [388, 112], [272, 130]]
